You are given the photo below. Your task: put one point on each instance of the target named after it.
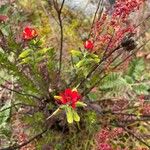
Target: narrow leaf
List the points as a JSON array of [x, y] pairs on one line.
[[76, 116], [69, 114]]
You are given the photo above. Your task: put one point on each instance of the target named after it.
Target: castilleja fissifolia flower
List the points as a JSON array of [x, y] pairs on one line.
[[70, 97], [29, 33]]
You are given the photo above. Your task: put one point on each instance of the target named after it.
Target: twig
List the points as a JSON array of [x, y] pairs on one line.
[[53, 114], [131, 54], [135, 136], [135, 120], [101, 112], [24, 94], [86, 92], [103, 59], [142, 21], [98, 65], [14, 147], [62, 4], [59, 13], [48, 14], [13, 105], [98, 7]]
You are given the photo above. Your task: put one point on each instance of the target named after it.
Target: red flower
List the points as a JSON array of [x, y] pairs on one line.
[[3, 18], [141, 97], [104, 146], [145, 109], [103, 136], [29, 33], [70, 97], [89, 45]]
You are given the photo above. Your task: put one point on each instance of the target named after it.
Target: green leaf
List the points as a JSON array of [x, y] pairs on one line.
[[75, 116], [44, 51], [91, 60], [94, 58], [94, 55], [141, 89], [129, 79], [26, 60], [69, 114], [80, 104], [5, 112], [25, 53], [5, 31], [136, 68], [93, 96], [4, 9], [76, 53], [81, 63], [113, 80]]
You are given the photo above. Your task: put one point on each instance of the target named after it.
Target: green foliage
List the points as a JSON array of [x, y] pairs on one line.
[[133, 80], [5, 113], [76, 53], [83, 61], [71, 115], [34, 67], [91, 121], [136, 69], [114, 84], [141, 88], [93, 96], [113, 81], [137, 76], [5, 130], [80, 104]]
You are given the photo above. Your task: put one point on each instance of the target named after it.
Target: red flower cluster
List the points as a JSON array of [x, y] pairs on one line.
[[3, 18], [123, 8], [145, 109], [116, 132], [142, 149], [89, 45], [117, 26], [104, 146], [70, 97], [120, 105], [29, 33], [105, 135]]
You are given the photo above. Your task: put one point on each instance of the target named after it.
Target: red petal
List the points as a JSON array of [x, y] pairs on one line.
[[73, 105], [27, 30], [68, 92], [3, 17], [75, 96], [63, 99], [88, 44], [29, 33]]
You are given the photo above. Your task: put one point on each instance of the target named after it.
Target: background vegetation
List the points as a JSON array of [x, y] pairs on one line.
[[102, 55]]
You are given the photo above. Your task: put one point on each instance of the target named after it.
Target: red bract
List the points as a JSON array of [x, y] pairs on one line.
[[141, 97], [105, 146], [124, 7], [70, 97], [142, 149], [29, 33], [103, 136], [3, 18], [89, 45], [145, 109], [116, 132], [116, 26]]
